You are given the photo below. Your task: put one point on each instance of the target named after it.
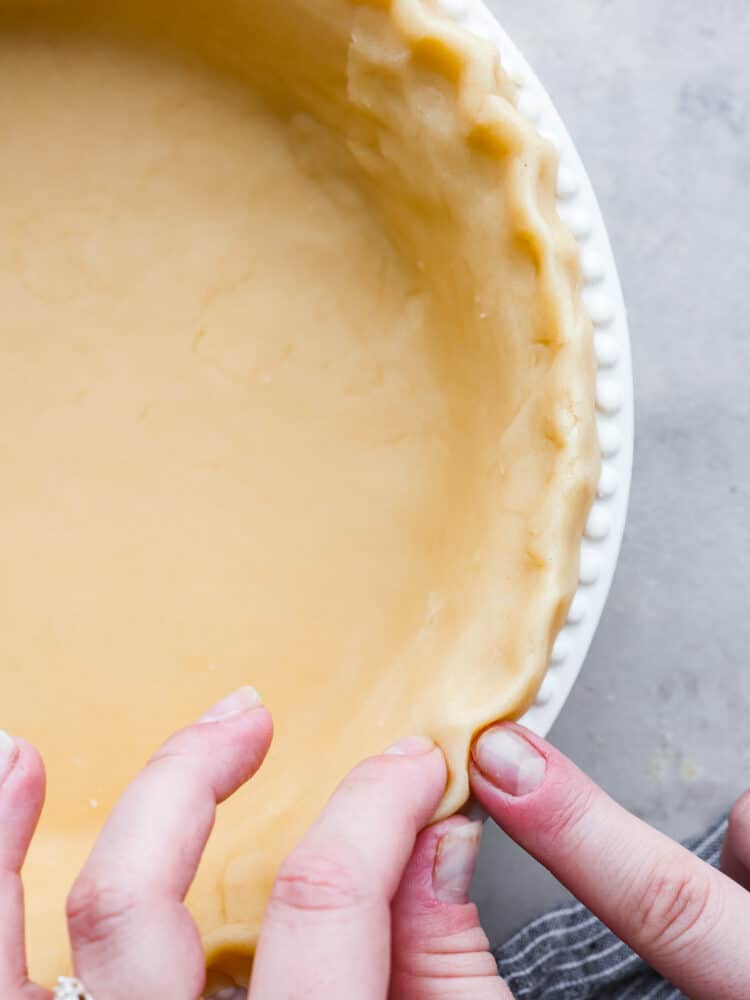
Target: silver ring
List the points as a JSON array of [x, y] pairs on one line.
[[71, 989]]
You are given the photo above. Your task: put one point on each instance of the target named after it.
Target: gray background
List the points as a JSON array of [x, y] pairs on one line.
[[656, 94]]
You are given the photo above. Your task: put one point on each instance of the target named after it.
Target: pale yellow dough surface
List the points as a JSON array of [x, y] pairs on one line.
[[296, 391]]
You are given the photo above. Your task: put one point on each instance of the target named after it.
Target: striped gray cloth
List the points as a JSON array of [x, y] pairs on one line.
[[568, 954]]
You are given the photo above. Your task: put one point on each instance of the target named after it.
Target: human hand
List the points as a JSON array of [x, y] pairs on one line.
[[336, 912], [130, 934], [687, 920]]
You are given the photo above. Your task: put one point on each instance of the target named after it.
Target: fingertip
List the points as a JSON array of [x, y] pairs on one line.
[[253, 729], [410, 746], [456, 856], [256, 722], [243, 741], [509, 760], [259, 729], [232, 705], [427, 771], [433, 836], [239, 718], [386, 800], [419, 749], [22, 791], [24, 774], [531, 790], [431, 865], [438, 762], [411, 753], [230, 750], [253, 722]]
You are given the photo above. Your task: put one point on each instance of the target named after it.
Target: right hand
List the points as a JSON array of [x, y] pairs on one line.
[[688, 921]]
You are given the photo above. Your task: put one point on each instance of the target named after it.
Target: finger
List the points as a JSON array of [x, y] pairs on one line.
[[130, 933], [682, 916], [735, 853], [326, 934], [439, 950], [21, 799]]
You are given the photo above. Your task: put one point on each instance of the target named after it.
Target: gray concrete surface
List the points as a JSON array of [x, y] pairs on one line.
[[657, 97]]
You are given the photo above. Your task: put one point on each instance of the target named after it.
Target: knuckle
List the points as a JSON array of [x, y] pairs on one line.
[[564, 825], [318, 881], [96, 910], [461, 956], [675, 907]]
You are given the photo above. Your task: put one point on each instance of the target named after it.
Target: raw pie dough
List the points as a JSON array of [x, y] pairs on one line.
[[296, 390]]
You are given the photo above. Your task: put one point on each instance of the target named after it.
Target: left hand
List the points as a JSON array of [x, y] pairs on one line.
[[370, 907], [367, 906]]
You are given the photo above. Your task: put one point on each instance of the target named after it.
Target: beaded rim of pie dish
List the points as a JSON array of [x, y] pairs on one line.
[[579, 209]]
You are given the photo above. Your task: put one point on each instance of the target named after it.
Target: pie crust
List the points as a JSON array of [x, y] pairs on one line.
[[297, 390]]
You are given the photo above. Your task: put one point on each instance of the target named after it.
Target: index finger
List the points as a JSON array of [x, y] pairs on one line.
[[131, 935], [326, 935], [683, 917], [21, 796]]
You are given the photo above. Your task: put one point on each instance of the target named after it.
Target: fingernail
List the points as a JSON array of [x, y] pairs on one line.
[[411, 746], [234, 704], [455, 861], [8, 754], [509, 761]]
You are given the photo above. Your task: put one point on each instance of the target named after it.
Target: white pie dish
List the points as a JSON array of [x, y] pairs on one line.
[[484, 605]]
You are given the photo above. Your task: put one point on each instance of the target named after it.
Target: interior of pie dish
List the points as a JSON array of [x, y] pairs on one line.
[[297, 391]]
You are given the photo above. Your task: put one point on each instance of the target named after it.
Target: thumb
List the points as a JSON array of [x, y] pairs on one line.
[[440, 952]]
